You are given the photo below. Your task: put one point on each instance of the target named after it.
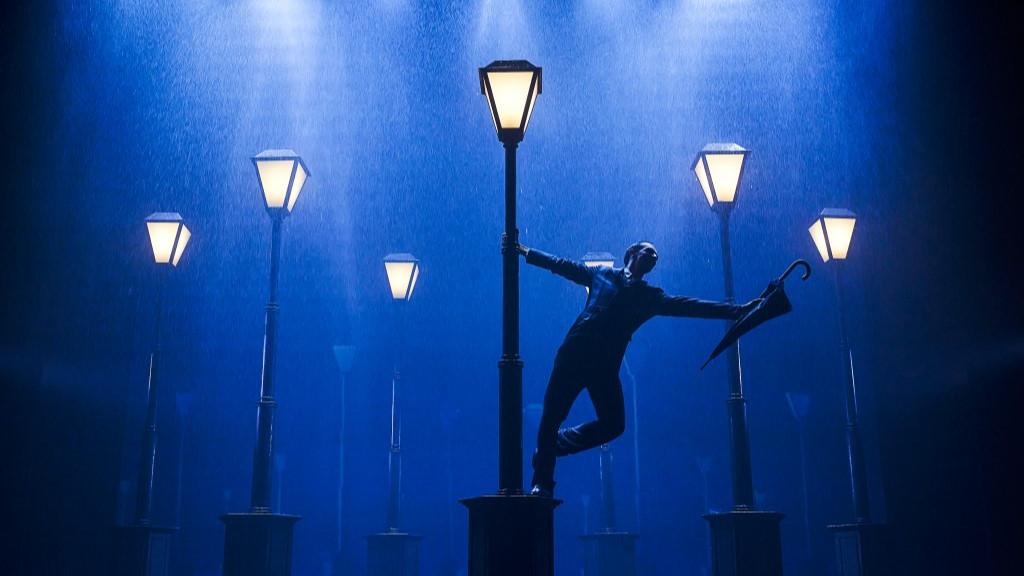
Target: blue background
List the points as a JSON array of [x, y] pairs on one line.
[[904, 113]]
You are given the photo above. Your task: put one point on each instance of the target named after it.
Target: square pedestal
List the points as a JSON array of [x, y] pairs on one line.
[[511, 535], [745, 543], [859, 549], [393, 554], [258, 544], [141, 550], [609, 554]]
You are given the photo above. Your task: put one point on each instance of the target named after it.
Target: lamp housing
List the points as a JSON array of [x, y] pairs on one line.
[[595, 259], [344, 356], [282, 174], [511, 88], [168, 236], [719, 169], [403, 270], [832, 232]]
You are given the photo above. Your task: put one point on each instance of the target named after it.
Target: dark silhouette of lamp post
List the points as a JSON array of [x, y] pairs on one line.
[[510, 533], [394, 552], [744, 541], [344, 356], [142, 548], [798, 407], [609, 551], [259, 542], [858, 544]]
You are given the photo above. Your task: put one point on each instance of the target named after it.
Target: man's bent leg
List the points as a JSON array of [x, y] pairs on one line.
[[562, 390], [610, 423]]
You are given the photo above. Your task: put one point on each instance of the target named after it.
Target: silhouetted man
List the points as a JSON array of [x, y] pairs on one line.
[[618, 303]]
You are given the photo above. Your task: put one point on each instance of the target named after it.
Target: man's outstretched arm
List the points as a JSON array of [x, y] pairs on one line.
[[697, 308], [575, 271]]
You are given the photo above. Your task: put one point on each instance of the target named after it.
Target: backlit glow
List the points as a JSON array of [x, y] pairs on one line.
[[725, 174], [595, 259], [511, 88], [168, 237], [282, 175], [832, 233], [511, 91], [718, 168], [840, 233], [818, 235], [403, 271]]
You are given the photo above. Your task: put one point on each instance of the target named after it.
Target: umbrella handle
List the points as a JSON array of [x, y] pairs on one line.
[[799, 262]]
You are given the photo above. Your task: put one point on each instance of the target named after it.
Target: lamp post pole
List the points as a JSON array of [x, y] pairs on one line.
[[147, 456], [259, 542], [798, 406], [744, 541], [607, 487], [742, 480], [394, 552], [263, 456], [510, 533], [608, 551], [142, 548], [395, 449], [859, 545], [855, 452], [343, 356], [510, 367]]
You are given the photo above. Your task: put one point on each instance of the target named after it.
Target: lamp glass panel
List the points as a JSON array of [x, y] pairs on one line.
[[415, 277], [595, 259], [300, 179], [840, 232], [702, 177], [161, 237], [510, 91], [398, 278], [274, 176], [487, 91], [818, 235], [725, 174], [533, 100], [182, 242]]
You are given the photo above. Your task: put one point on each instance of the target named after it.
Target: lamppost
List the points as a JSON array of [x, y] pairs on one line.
[[510, 533], [744, 540], [259, 542], [393, 552], [798, 407], [344, 356], [609, 551], [141, 547], [857, 543]]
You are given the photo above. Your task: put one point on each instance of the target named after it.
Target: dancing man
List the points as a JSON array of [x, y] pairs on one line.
[[618, 303]]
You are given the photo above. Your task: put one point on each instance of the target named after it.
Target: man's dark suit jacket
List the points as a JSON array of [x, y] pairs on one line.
[[617, 306]]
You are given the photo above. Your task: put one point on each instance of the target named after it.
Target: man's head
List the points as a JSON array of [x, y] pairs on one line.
[[640, 258]]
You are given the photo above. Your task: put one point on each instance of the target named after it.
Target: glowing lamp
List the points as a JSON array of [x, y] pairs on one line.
[[282, 174], [168, 236], [511, 87], [832, 232], [595, 259], [718, 168], [403, 271]]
